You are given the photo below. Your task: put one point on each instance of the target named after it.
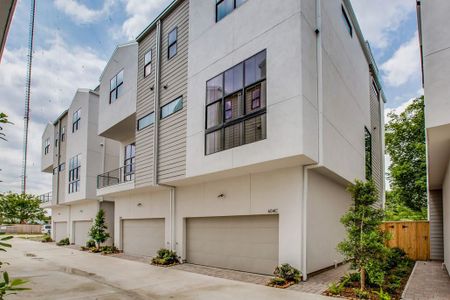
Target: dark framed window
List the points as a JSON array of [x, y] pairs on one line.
[[63, 133], [74, 173], [172, 107], [76, 117], [115, 87], [129, 155], [236, 105], [46, 146], [368, 152], [148, 63], [146, 121], [62, 167], [172, 43], [225, 7], [347, 22], [56, 139]]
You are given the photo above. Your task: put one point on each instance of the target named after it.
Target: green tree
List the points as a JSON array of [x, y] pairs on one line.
[[20, 209], [397, 211], [364, 245], [98, 230], [3, 120], [405, 144]]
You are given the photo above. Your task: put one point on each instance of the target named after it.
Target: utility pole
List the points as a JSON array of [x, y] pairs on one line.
[[26, 118]]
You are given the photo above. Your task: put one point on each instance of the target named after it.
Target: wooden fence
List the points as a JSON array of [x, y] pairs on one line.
[[411, 236], [21, 229]]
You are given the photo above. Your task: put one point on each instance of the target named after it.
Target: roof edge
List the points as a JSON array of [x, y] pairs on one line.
[[129, 43]]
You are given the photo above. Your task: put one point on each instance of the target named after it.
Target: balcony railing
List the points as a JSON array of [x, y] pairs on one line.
[[46, 198], [117, 176]]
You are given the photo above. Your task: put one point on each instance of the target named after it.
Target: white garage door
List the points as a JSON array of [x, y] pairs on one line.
[[60, 230], [245, 243], [81, 232], [143, 237]]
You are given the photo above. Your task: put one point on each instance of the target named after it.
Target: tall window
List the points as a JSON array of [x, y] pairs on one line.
[[47, 146], [346, 20], [56, 139], [236, 105], [225, 7], [172, 43], [76, 120], [172, 107], [115, 87], [63, 133], [148, 63], [368, 152], [130, 153], [74, 173]]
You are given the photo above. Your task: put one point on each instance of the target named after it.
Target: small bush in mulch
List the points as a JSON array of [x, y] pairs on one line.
[[285, 276], [46, 238], [104, 250], [166, 258], [63, 242], [397, 269]]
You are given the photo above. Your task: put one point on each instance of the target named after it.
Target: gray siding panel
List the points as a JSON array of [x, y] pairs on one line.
[[436, 225], [375, 130], [172, 130]]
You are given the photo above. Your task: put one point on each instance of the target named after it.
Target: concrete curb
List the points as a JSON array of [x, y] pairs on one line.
[[409, 280]]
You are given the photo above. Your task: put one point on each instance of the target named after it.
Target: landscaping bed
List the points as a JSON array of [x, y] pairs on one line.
[[397, 269]]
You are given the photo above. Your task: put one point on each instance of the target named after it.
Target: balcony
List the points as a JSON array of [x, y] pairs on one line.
[[117, 176], [46, 199]]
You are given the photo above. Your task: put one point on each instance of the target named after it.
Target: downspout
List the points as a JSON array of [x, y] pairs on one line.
[[59, 161], [156, 110], [306, 168]]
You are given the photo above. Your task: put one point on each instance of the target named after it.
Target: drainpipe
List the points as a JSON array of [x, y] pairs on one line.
[[59, 161], [172, 189], [319, 164]]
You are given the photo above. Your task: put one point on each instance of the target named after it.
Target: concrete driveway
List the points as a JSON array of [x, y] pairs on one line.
[[62, 273]]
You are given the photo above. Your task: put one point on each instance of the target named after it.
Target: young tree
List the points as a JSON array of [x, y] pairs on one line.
[[98, 230], [405, 144], [3, 120], [20, 209], [364, 246]]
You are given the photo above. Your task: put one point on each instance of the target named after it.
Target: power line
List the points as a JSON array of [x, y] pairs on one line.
[[26, 118]]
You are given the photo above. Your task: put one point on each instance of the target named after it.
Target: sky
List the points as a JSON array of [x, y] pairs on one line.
[[75, 38]]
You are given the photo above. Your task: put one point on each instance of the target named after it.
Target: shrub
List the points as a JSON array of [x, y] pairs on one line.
[[287, 272], [394, 257], [361, 294], [98, 230], [46, 238], [382, 295], [63, 242], [336, 288], [90, 244], [109, 250], [165, 257], [277, 281], [393, 283]]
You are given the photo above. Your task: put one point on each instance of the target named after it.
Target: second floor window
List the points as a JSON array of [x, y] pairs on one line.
[[146, 121], [172, 43], [172, 107], [76, 117], [225, 7], [56, 139], [63, 133], [368, 153], [47, 146], [74, 173], [130, 153], [115, 87], [236, 105], [148, 63]]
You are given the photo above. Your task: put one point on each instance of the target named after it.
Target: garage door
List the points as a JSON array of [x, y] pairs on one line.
[[60, 230], [245, 243], [81, 232], [143, 237]]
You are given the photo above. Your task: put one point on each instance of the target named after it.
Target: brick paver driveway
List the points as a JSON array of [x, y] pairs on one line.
[[428, 281]]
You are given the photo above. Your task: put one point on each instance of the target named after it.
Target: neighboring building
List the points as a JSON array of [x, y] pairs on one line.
[[238, 139], [435, 49], [75, 154], [7, 8]]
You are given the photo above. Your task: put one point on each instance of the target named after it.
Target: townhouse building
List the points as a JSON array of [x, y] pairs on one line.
[[237, 138], [74, 153], [434, 43]]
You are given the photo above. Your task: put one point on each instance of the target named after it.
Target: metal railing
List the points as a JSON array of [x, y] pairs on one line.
[[117, 176], [45, 198]]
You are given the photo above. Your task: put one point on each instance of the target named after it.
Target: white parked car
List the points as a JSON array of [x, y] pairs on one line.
[[47, 228]]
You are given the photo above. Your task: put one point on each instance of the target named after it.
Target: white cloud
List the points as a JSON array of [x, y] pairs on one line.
[[140, 13], [381, 19], [397, 110], [81, 13], [58, 70], [404, 63]]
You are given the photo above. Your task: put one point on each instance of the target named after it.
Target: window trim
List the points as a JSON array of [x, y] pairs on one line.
[[175, 43], [46, 146], [245, 116], [63, 133], [151, 123], [76, 123], [347, 21], [129, 161], [174, 112], [149, 63], [116, 88], [235, 6], [74, 182]]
